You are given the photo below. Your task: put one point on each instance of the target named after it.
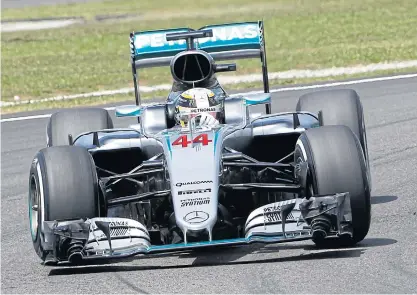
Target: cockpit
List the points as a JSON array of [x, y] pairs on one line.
[[212, 84]]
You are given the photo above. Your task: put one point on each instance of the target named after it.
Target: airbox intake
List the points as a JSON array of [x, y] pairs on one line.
[[191, 67]]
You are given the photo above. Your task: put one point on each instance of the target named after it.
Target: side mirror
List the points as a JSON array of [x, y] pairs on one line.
[[255, 99], [128, 111]]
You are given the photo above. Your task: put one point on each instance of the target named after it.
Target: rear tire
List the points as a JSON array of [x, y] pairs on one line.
[[336, 165], [62, 185], [75, 122]]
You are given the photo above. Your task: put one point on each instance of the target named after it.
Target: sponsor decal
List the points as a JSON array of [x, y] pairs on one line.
[[202, 110], [273, 214], [117, 228], [155, 40], [276, 217], [227, 33], [196, 217], [195, 202], [240, 32], [180, 184], [195, 191], [273, 217], [273, 208], [118, 223]]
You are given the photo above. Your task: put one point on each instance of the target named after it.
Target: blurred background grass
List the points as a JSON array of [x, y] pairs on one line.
[[94, 56]]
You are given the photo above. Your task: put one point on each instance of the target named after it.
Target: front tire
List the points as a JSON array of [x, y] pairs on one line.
[[62, 185], [336, 165]]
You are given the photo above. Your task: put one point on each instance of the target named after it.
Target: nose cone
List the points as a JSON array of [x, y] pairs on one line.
[[193, 169]]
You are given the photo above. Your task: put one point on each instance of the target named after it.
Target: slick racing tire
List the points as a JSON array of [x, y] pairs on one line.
[[336, 164], [75, 122], [338, 107], [62, 185]]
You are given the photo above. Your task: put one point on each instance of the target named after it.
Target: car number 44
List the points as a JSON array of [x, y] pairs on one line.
[[183, 140]]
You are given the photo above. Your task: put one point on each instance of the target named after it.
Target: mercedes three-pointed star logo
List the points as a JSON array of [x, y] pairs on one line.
[[196, 217]]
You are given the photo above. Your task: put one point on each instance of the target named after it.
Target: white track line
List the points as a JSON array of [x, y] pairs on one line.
[[37, 25], [320, 73], [142, 89], [295, 88]]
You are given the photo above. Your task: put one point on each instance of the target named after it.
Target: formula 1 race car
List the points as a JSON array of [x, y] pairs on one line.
[[170, 182]]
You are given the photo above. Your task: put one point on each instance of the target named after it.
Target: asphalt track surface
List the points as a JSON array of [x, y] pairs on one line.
[[385, 262]]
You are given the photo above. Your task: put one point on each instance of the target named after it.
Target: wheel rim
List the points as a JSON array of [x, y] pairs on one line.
[[34, 207]]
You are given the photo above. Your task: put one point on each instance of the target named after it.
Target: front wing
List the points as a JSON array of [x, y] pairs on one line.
[[116, 238]]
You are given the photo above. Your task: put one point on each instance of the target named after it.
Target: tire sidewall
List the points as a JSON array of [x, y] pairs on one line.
[[366, 208], [37, 174], [364, 146]]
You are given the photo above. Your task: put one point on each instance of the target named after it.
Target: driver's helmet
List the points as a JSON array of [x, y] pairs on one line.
[[196, 103]]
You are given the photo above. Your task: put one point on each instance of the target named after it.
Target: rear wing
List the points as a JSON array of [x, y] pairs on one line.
[[228, 42]]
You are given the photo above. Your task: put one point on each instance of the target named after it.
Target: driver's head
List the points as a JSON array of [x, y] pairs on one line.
[[196, 103]]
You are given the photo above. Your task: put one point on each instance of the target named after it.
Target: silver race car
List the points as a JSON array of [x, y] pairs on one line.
[[204, 168]]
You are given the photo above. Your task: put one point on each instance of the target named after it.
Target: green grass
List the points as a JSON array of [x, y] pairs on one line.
[[130, 99], [299, 35]]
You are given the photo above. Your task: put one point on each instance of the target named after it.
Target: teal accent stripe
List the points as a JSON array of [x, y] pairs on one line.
[[169, 145], [134, 113], [194, 244], [143, 249], [216, 135], [182, 246], [249, 101]]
